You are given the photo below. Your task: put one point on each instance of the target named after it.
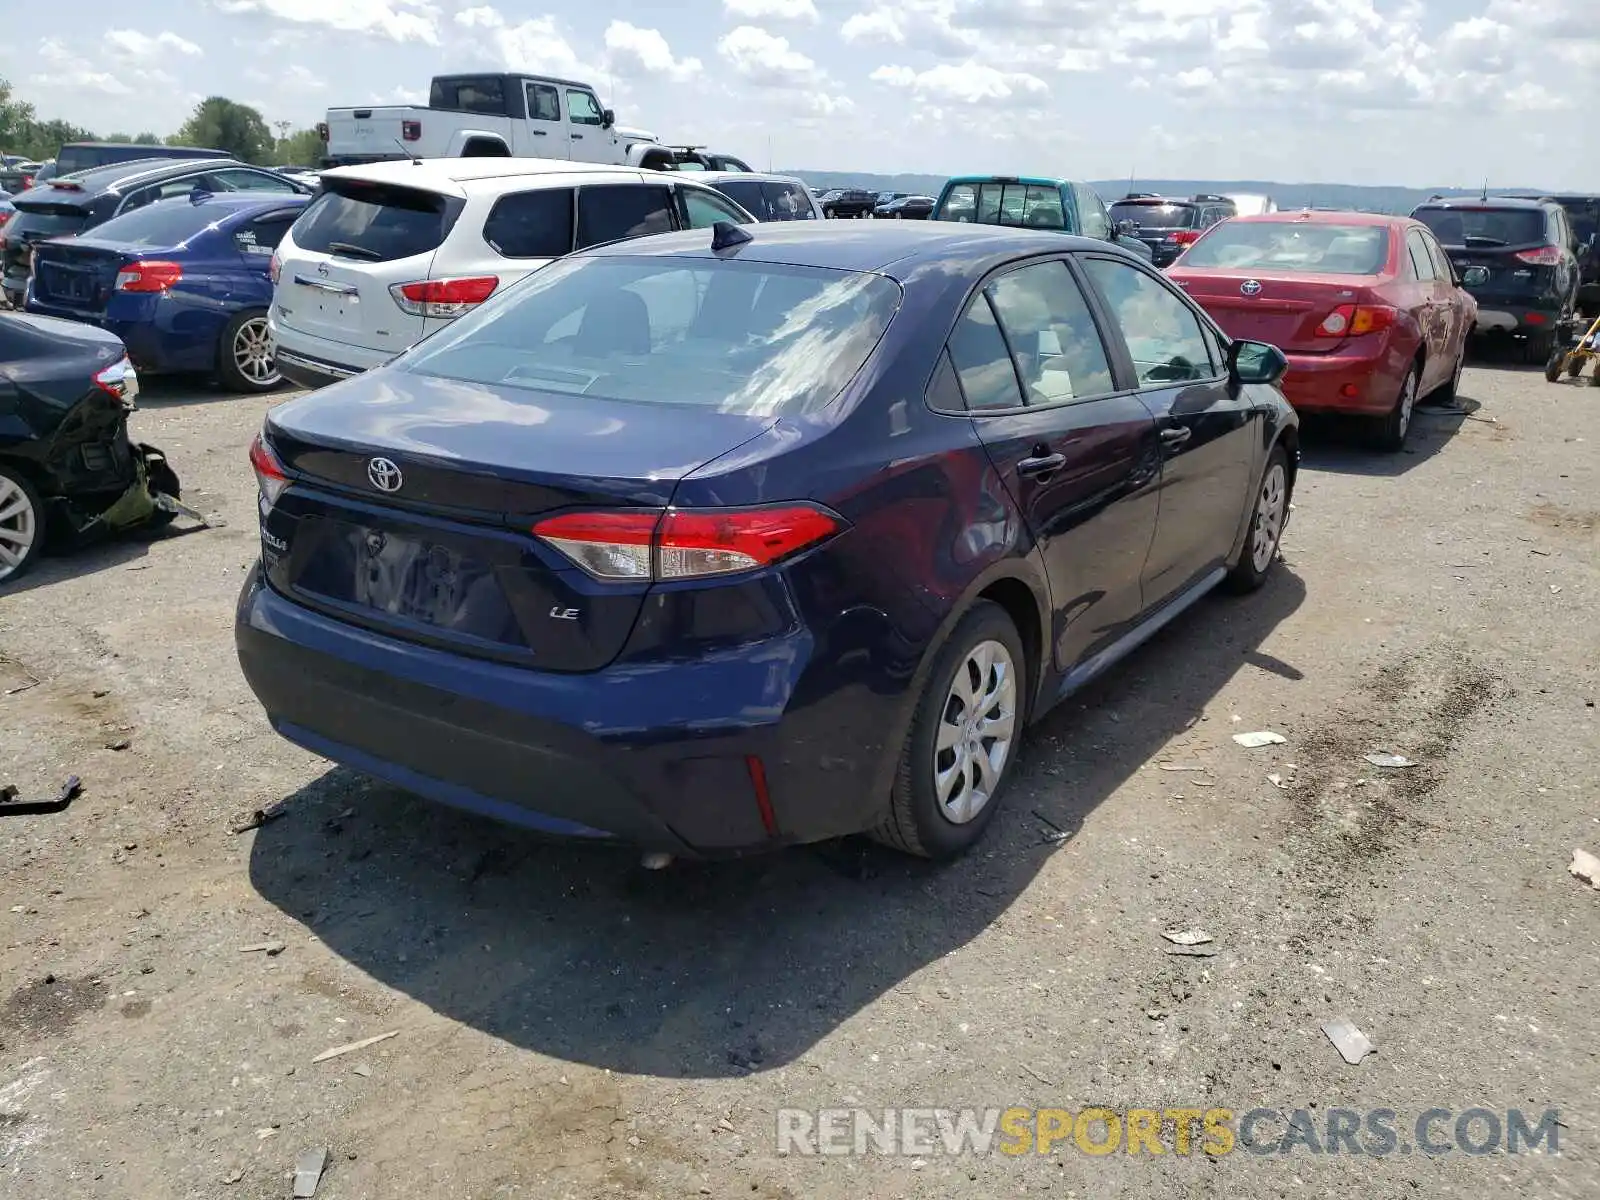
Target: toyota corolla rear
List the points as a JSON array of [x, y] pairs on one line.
[[1318, 289], [556, 565]]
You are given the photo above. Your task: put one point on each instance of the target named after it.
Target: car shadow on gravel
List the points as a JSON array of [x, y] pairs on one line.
[[118, 552], [713, 970], [1333, 443]]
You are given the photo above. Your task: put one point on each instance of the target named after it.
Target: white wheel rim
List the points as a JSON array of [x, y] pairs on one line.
[[19, 525], [977, 726], [1269, 517], [254, 354]]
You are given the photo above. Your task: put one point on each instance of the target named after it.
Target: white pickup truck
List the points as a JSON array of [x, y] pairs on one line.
[[483, 116]]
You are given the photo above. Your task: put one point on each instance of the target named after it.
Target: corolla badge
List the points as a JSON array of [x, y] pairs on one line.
[[384, 475], [1251, 287]]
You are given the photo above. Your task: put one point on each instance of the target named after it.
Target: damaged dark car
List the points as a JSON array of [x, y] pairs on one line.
[[69, 474]]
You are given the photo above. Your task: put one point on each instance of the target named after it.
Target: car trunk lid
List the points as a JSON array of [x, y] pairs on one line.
[[1282, 309], [420, 526], [81, 274]]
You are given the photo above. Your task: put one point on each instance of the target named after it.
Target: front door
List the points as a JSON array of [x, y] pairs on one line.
[[1207, 430], [589, 139], [1081, 460]]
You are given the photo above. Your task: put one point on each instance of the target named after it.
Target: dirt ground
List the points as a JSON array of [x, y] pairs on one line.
[[571, 1026]]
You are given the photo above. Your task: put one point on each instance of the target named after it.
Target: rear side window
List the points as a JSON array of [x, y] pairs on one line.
[[787, 202], [611, 212], [374, 222], [1421, 260], [484, 94], [1485, 227], [1051, 333], [746, 193], [535, 224], [544, 102], [982, 362], [167, 223]]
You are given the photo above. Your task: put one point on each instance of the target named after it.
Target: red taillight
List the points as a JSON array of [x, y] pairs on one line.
[[155, 275], [1184, 237], [322, 130], [1544, 256], [443, 298], [274, 268], [1352, 320], [685, 543], [27, 181], [411, 130], [1535, 318], [270, 474]]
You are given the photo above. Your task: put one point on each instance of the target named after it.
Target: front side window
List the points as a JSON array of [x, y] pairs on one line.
[[536, 224], [583, 108], [611, 212], [1092, 212], [738, 337], [544, 102], [1053, 339], [162, 191], [1163, 334], [982, 362], [701, 211]]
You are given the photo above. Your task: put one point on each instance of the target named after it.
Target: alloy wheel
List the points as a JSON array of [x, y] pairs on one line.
[[977, 728], [1270, 508], [254, 353], [19, 526]]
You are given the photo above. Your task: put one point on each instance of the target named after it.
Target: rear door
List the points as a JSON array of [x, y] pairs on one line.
[[544, 134], [1423, 294], [1207, 430], [1453, 302], [355, 242], [1080, 458], [613, 212]]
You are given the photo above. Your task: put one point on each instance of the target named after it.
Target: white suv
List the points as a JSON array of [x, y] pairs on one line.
[[394, 251], [768, 197]]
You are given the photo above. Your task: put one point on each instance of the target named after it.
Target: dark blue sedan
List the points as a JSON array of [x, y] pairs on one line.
[[183, 282], [731, 538]]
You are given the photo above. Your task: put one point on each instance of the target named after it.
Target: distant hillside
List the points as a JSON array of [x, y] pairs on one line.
[[1288, 195]]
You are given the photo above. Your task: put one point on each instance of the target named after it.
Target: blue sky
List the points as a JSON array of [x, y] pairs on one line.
[[1364, 91]]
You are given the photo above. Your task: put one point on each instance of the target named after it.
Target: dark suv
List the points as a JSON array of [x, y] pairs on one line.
[[848, 202], [1528, 287], [72, 204], [1583, 214], [1170, 224]]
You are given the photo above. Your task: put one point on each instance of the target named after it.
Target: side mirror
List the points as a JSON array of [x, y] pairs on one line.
[[1474, 276], [607, 118], [1256, 362]]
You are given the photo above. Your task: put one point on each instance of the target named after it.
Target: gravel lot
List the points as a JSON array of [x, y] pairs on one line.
[[572, 1026]]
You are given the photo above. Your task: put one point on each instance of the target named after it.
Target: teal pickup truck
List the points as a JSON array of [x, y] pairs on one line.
[[1032, 202]]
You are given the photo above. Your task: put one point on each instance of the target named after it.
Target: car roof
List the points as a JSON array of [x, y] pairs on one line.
[[1035, 180], [99, 179], [892, 248], [448, 175], [760, 176], [1320, 216], [1527, 202]]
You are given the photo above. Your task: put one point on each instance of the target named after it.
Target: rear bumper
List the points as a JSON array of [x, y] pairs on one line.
[[565, 755], [1363, 383], [1500, 317], [314, 362]]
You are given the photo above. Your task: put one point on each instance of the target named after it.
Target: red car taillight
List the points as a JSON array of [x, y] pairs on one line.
[[685, 543], [1184, 237], [443, 298], [1352, 320], [411, 130], [270, 474], [1544, 256], [154, 276]]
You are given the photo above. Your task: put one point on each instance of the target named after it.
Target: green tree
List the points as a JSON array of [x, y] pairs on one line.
[[227, 125], [47, 137], [16, 121], [135, 139], [302, 149]]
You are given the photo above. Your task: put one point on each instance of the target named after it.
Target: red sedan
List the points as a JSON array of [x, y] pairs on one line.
[[1367, 308]]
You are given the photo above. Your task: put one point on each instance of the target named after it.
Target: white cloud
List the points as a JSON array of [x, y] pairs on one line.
[[648, 51], [143, 45], [969, 83], [396, 20], [772, 10], [765, 58], [536, 46], [880, 25], [68, 71]]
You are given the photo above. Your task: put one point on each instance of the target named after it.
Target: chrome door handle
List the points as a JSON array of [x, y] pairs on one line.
[[1176, 436]]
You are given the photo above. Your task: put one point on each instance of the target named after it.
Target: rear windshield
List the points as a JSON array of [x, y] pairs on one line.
[[1301, 246], [47, 221], [1484, 226], [748, 338], [1155, 216], [1030, 205], [374, 222], [164, 223]]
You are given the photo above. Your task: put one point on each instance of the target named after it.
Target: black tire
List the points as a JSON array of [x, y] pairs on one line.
[[1556, 364], [1449, 390], [1594, 379], [30, 520], [1537, 347], [1250, 572], [231, 368], [1574, 365], [917, 823], [1389, 432]]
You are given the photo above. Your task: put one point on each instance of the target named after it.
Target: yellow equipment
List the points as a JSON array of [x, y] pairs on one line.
[[1570, 359]]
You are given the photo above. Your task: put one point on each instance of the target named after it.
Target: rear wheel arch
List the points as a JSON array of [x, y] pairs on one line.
[[485, 147]]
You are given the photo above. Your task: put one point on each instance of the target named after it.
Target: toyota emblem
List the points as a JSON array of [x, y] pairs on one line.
[[385, 476], [1251, 287]]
